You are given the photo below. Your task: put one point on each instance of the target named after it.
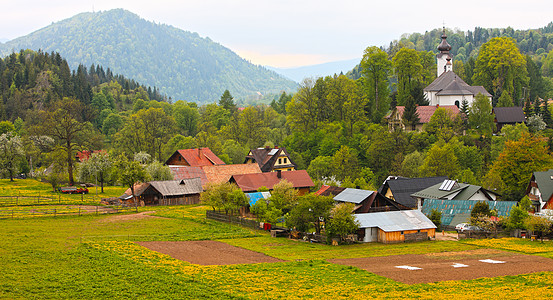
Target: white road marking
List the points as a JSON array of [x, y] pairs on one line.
[[408, 268], [458, 265], [491, 261]]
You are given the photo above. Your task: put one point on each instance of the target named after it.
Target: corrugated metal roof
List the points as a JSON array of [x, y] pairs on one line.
[[353, 195], [395, 220], [402, 188], [450, 208]]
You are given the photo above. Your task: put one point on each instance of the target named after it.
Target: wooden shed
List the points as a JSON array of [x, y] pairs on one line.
[[395, 226], [170, 192]]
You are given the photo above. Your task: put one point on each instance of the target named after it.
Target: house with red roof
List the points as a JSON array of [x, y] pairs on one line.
[[213, 174], [197, 157], [252, 182], [395, 117]]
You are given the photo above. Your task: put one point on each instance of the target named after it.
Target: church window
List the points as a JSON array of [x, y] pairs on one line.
[[457, 103]]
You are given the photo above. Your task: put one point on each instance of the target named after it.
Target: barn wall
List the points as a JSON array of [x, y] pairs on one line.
[[177, 160], [397, 237]]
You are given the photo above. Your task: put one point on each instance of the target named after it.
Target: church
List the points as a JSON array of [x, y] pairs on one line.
[[448, 88]]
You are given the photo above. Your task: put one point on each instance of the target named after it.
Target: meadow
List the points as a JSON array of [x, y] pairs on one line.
[[95, 257]]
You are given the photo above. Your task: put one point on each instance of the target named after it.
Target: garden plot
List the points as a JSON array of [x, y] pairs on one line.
[[208, 252], [450, 265]]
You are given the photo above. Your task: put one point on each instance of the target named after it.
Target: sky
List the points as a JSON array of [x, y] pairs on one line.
[[291, 33]]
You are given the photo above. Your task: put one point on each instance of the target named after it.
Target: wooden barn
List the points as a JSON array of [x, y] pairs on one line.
[[395, 226], [170, 192]]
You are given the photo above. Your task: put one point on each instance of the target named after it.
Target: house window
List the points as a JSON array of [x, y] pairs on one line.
[[457, 103], [280, 161], [285, 160], [402, 233], [289, 169]]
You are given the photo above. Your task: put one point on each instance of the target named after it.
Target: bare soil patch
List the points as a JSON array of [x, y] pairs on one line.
[[208, 252], [440, 266]]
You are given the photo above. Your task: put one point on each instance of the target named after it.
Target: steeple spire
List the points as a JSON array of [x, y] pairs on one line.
[[443, 58]]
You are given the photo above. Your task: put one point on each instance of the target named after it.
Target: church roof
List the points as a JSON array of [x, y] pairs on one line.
[[450, 83]]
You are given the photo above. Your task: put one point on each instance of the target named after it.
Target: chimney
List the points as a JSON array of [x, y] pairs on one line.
[[279, 174], [199, 150]]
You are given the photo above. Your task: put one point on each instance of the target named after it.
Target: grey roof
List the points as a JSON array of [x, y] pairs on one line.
[[450, 83], [178, 187], [402, 188], [513, 114], [353, 195], [462, 191], [545, 183], [395, 220]]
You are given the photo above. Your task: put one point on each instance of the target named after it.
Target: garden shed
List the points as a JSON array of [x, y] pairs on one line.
[[395, 226]]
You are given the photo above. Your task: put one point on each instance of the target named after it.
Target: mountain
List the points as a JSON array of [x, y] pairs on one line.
[[320, 70], [179, 63]]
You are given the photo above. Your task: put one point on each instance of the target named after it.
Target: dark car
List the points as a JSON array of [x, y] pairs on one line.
[[73, 190]]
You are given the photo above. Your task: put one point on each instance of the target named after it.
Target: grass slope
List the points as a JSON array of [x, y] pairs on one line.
[[93, 257]]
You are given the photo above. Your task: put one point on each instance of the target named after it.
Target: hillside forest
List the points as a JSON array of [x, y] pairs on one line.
[[332, 126]]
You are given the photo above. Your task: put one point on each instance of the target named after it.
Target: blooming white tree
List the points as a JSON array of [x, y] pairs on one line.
[[11, 149]]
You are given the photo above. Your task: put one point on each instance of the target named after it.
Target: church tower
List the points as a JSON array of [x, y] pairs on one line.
[[443, 58]]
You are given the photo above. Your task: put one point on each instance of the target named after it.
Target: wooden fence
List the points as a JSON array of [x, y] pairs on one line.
[[20, 200], [70, 210], [221, 217]]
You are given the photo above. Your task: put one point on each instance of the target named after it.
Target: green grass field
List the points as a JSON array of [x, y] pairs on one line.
[[93, 257]]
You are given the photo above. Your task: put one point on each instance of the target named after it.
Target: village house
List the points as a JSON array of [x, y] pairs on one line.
[[194, 158], [453, 190], [508, 116], [271, 159], [400, 189], [395, 226], [252, 182], [168, 192], [366, 201], [395, 121], [540, 190], [204, 164]]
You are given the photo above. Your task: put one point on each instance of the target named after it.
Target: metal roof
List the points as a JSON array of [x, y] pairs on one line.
[[395, 220], [178, 187], [254, 197], [353, 195], [450, 208]]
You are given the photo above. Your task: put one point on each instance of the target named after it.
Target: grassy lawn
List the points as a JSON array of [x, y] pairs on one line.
[[94, 257], [27, 191]]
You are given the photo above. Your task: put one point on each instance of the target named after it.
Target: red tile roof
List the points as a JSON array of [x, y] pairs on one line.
[[215, 174], [426, 112], [199, 157], [252, 182]]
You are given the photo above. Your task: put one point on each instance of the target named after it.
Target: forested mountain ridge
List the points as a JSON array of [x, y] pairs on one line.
[[181, 64]]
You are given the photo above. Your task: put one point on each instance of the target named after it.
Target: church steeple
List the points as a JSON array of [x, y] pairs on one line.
[[443, 58]]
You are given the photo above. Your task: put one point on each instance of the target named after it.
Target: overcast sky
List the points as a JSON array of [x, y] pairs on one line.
[[288, 33]]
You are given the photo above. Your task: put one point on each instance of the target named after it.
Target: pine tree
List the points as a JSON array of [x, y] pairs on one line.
[[410, 114], [465, 107], [537, 107], [528, 111], [546, 114], [505, 100], [227, 102]]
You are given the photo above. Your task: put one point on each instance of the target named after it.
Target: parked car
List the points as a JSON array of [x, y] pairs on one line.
[[461, 226], [464, 227], [73, 190]]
